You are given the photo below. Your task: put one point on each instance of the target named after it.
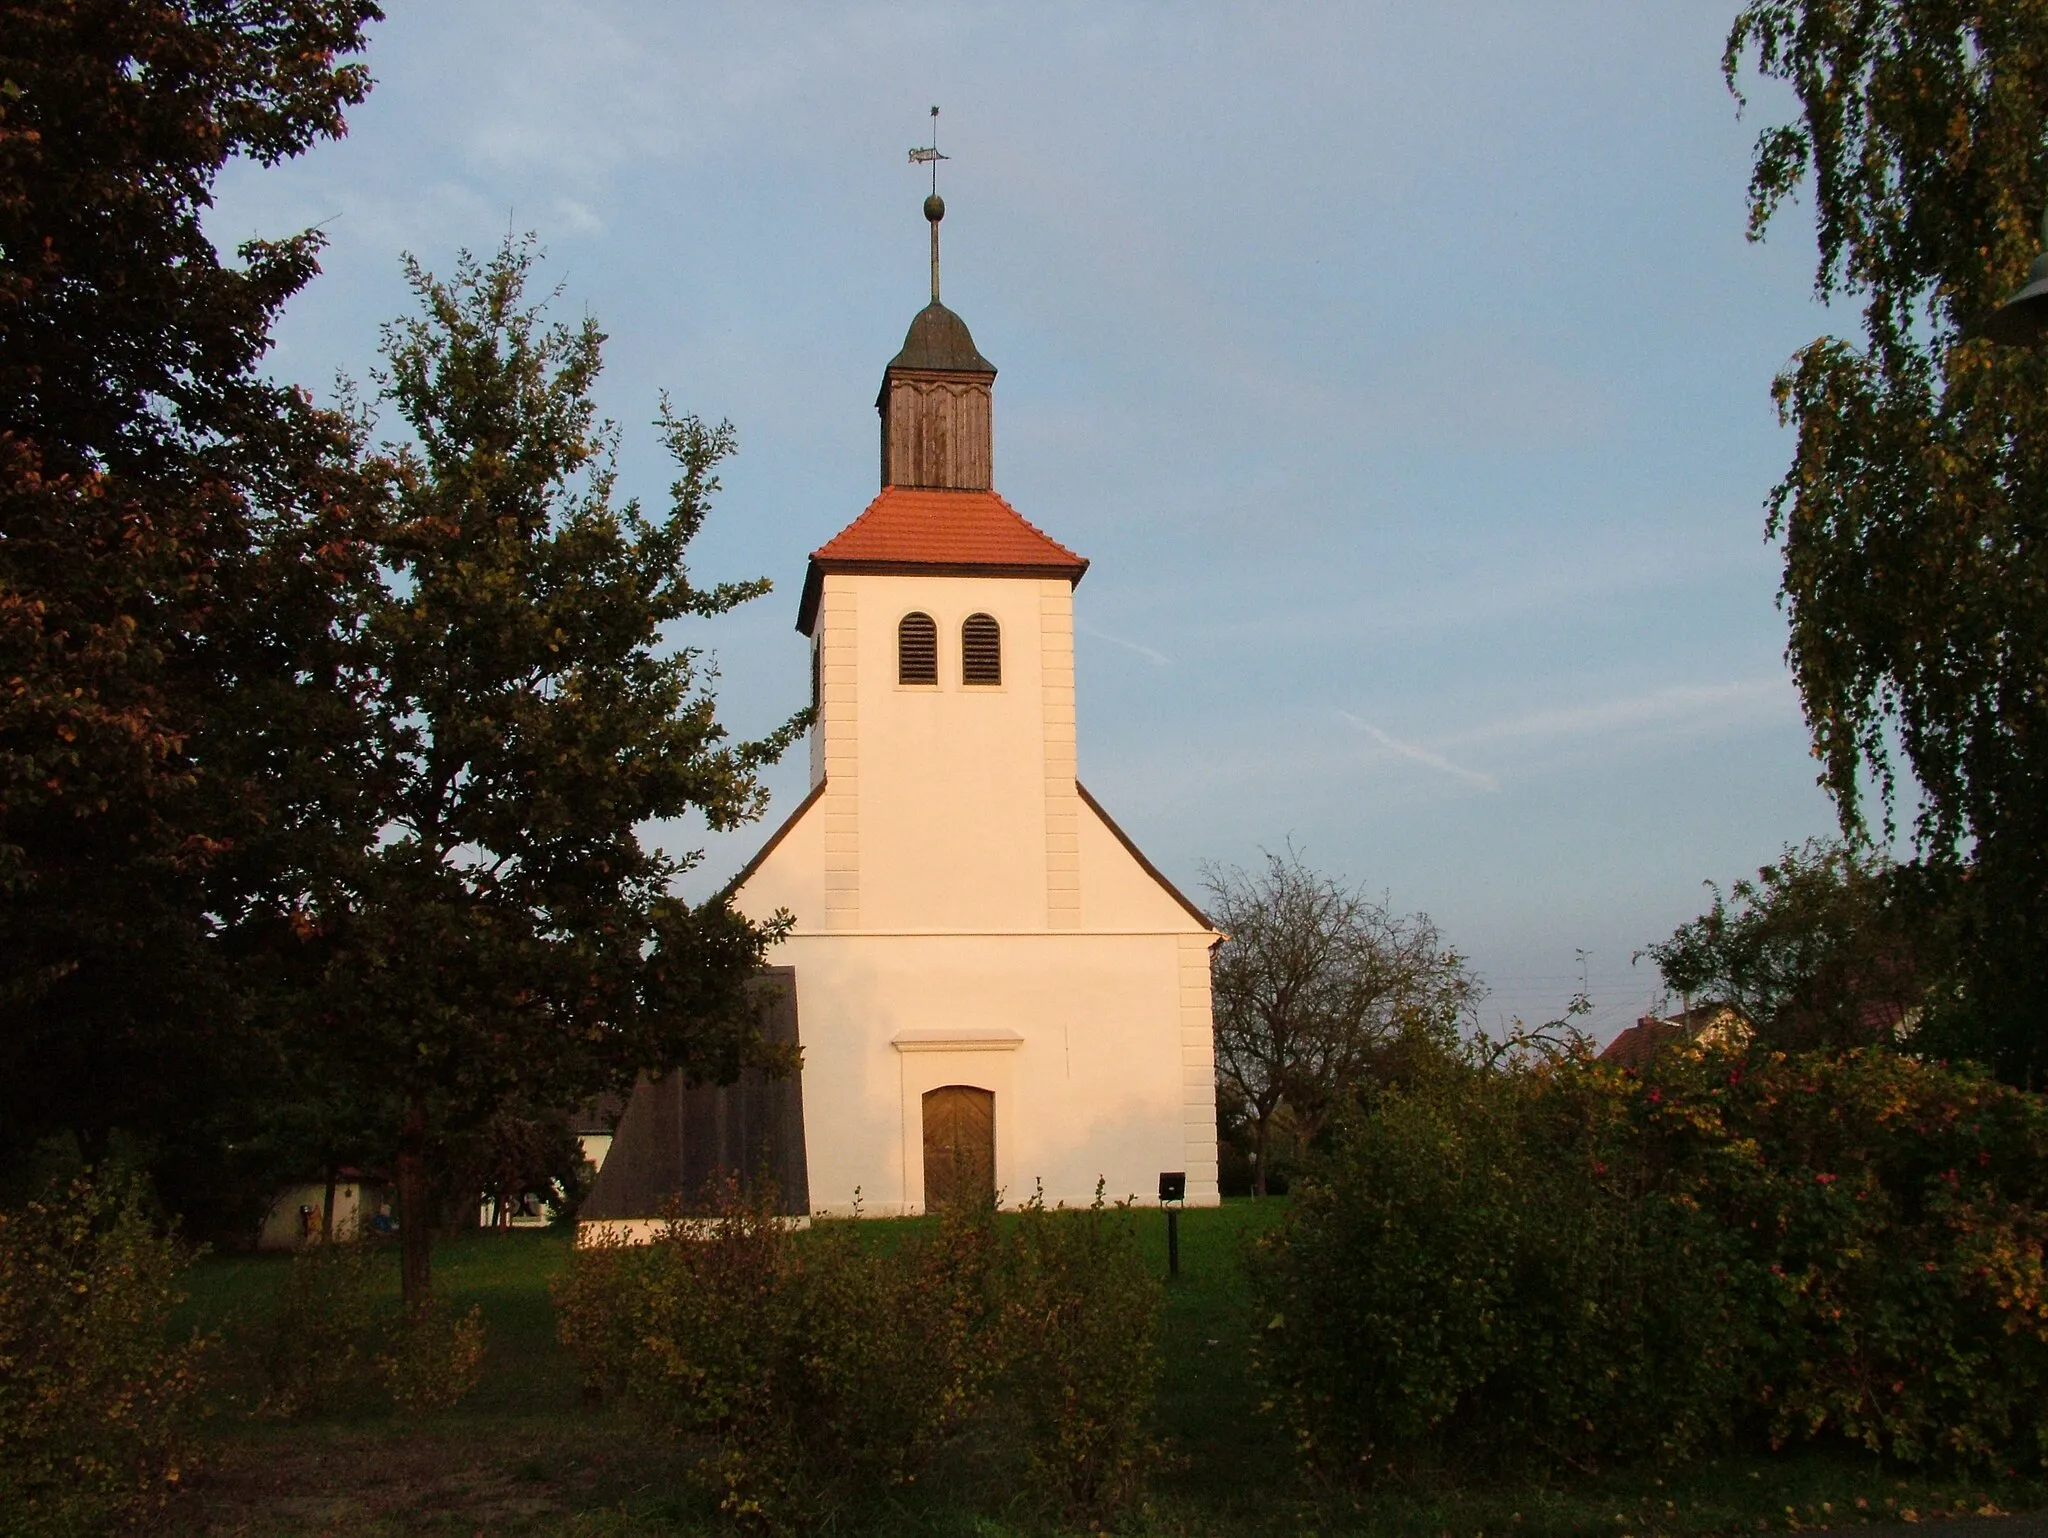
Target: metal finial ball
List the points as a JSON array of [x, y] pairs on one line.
[[935, 208]]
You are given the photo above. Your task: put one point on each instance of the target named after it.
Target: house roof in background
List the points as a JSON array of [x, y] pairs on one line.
[[1634, 1047]]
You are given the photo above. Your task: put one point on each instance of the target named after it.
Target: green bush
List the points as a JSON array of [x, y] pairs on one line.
[[321, 1340], [893, 1344], [1568, 1265], [822, 1368], [434, 1358], [1476, 1273], [338, 1340], [94, 1396], [829, 1366], [1077, 1324], [1897, 1213]]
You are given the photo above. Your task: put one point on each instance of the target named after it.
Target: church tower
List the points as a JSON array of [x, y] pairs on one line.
[[942, 633], [992, 988]]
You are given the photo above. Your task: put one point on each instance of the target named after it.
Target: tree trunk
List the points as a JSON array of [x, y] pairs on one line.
[[327, 1210], [415, 1222], [94, 1144], [1259, 1159]]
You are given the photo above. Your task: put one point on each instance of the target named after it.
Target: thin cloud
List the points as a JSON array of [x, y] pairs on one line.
[[1682, 705], [578, 217], [1158, 658], [1421, 755]]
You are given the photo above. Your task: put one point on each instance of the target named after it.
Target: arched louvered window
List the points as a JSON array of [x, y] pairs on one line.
[[981, 650], [817, 674], [917, 650]]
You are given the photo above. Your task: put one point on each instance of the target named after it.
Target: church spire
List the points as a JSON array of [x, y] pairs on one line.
[[934, 206], [935, 399]]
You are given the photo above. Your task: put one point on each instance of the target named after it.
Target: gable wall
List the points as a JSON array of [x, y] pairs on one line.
[[1119, 893]]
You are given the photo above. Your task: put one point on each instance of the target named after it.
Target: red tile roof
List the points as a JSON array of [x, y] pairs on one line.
[[1634, 1047], [946, 528], [956, 532]]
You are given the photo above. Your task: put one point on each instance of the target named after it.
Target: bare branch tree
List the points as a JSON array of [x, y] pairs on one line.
[[1317, 987]]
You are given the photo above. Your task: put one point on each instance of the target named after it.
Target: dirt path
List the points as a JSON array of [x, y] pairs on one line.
[[476, 1475]]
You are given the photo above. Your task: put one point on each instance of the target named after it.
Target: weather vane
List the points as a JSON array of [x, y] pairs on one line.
[[929, 155], [934, 206]]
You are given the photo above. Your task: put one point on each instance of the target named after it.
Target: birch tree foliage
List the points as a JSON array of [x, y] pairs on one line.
[[1911, 516]]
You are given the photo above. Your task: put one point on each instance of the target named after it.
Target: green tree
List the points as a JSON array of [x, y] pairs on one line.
[[1319, 990], [1825, 948], [1912, 517], [175, 547], [505, 939]]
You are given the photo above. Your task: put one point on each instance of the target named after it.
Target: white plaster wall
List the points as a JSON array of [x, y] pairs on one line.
[[282, 1229], [1113, 1074], [1093, 1089], [792, 877], [1118, 892], [952, 805]]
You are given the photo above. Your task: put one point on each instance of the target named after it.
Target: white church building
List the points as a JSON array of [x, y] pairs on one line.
[[991, 987]]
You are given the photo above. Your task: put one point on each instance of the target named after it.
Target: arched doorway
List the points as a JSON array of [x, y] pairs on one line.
[[959, 1146]]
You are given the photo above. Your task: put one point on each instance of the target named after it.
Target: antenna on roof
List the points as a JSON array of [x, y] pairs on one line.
[[934, 206]]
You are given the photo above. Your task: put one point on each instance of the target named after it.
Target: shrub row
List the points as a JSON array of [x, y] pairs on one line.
[[833, 1365], [1568, 1265]]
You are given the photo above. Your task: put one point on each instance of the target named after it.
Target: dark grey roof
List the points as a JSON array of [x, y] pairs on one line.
[[938, 340], [680, 1142]]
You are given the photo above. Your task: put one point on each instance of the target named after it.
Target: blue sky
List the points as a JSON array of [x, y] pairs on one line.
[[1403, 371]]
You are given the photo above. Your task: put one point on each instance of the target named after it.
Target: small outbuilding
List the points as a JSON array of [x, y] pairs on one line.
[[298, 1214]]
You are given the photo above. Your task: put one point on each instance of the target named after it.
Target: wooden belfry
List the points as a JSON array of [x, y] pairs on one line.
[[937, 432]]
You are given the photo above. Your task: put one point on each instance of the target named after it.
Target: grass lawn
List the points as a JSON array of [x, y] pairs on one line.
[[526, 1456]]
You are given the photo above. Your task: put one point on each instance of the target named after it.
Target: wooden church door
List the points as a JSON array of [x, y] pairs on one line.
[[959, 1147]]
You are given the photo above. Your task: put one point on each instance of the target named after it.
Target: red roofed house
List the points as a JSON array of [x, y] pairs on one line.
[[991, 987], [1704, 1025]]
